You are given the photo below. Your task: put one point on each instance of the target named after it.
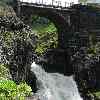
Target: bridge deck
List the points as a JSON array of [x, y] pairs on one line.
[[57, 5]]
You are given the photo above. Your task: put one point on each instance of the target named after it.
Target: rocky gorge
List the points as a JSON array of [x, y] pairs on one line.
[[17, 51]]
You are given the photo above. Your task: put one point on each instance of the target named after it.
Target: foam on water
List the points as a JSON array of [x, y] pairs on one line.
[[55, 86]]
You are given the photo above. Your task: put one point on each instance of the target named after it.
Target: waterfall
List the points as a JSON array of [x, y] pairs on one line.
[[54, 86]]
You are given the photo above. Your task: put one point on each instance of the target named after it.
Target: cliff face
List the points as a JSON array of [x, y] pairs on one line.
[[15, 37]]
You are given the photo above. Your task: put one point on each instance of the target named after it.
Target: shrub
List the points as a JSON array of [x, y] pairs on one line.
[[4, 72], [24, 89], [97, 95], [9, 90]]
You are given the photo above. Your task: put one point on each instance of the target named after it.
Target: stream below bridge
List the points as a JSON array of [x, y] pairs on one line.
[[54, 86]]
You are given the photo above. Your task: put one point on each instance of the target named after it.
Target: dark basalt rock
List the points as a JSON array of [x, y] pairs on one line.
[[56, 60], [86, 69]]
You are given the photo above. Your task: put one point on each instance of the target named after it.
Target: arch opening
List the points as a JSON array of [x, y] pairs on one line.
[[56, 17], [46, 32]]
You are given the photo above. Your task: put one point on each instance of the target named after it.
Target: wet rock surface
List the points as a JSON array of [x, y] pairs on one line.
[[86, 70], [56, 60]]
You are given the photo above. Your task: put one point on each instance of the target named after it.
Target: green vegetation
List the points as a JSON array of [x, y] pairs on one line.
[[97, 94], [94, 46], [10, 91], [9, 37], [42, 25], [4, 72], [46, 32]]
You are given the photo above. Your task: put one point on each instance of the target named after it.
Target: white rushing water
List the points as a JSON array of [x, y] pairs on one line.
[[55, 86]]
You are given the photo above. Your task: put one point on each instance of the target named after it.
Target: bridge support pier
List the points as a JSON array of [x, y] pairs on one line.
[[17, 7]]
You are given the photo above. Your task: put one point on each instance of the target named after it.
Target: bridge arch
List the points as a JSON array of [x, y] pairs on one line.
[[60, 22]]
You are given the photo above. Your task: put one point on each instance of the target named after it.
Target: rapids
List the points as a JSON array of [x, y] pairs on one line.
[[54, 86]]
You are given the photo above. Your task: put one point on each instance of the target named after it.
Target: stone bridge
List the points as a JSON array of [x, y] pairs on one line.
[[74, 24], [74, 21]]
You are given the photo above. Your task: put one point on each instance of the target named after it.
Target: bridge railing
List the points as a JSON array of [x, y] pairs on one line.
[[51, 3]]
